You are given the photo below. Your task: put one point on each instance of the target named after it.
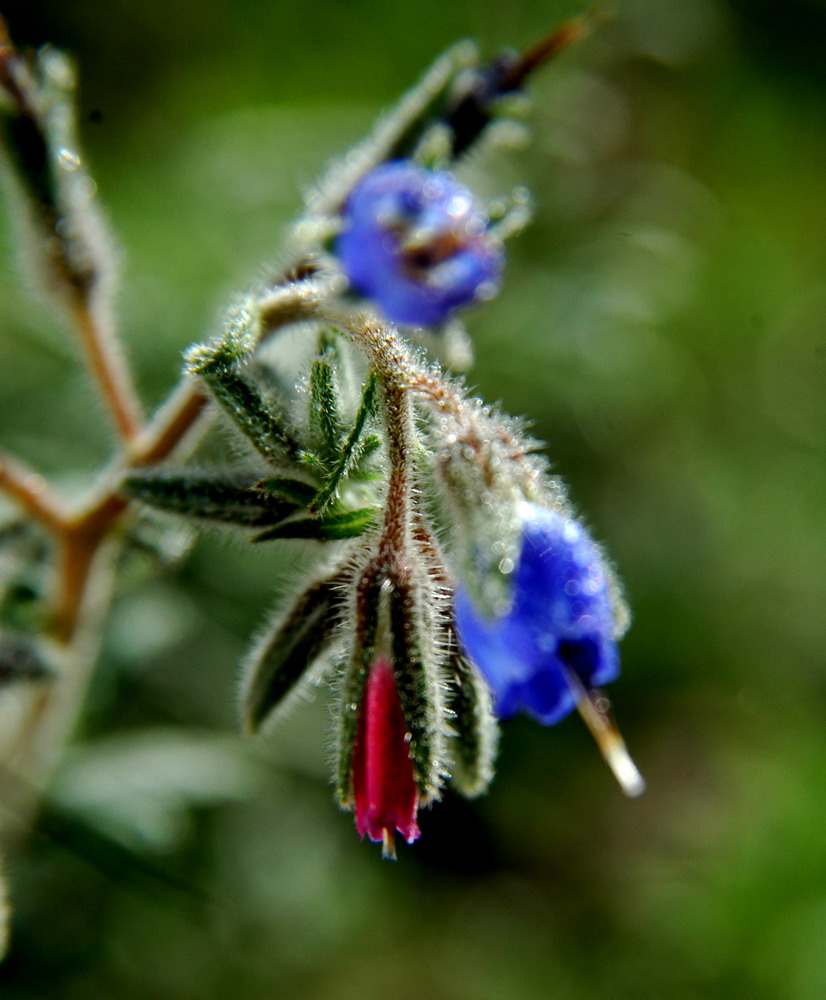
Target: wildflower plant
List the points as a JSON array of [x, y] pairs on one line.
[[453, 584]]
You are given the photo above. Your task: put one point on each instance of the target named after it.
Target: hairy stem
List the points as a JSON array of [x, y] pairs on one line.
[[108, 368], [32, 492]]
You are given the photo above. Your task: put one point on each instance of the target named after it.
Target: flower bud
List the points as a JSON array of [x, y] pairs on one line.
[[384, 785]]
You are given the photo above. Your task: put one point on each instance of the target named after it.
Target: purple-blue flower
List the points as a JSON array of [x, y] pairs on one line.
[[416, 242], [560, 626]]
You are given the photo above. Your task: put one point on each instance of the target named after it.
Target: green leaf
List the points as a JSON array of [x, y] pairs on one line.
[[325, 409], [327, 528], [138, 786], [350, 454], [223, 495], [292, 489], [278, 666], [239, 385]]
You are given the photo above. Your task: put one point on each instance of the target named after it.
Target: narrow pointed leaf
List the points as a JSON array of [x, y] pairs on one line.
[[291, 489], [329, 527], [351, 453], [223, 496], [325, 409], [279, 665], [237, 385]]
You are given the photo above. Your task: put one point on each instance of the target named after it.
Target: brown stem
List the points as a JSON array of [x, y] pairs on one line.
[[32, 492], [109, 370], [80, 536], [77, 549], [169, 426], [401, 446]]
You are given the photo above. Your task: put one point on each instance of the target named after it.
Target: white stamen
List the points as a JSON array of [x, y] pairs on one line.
[[388, 844], [593, 708], [623, 767]]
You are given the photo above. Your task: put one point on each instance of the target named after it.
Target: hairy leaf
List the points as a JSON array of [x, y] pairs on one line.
[[235, 382], [278, 666], [222, 495], [352, 449], [327, 528]]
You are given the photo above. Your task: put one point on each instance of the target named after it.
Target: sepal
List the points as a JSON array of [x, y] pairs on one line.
[[281, 663], [363, 611], [472, 752], [484, 468], [417, 666]]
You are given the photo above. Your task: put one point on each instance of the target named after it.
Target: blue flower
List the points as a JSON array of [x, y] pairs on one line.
[[559, 633], [416, 242]]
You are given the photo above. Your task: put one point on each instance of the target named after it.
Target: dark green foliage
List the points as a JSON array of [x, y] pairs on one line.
[[225, 495], [324, 449], [284, 656], [326, 527], [352, 450], [239, 390]]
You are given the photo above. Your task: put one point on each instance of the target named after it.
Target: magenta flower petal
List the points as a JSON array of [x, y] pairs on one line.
[[384, 786]]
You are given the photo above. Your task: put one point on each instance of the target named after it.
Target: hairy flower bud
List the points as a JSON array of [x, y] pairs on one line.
[[416, 242], [384, 785]]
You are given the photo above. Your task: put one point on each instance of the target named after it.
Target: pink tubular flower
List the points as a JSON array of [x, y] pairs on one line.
[[384, 786]]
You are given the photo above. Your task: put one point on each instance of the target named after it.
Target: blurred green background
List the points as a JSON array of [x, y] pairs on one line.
[[663, 323]]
